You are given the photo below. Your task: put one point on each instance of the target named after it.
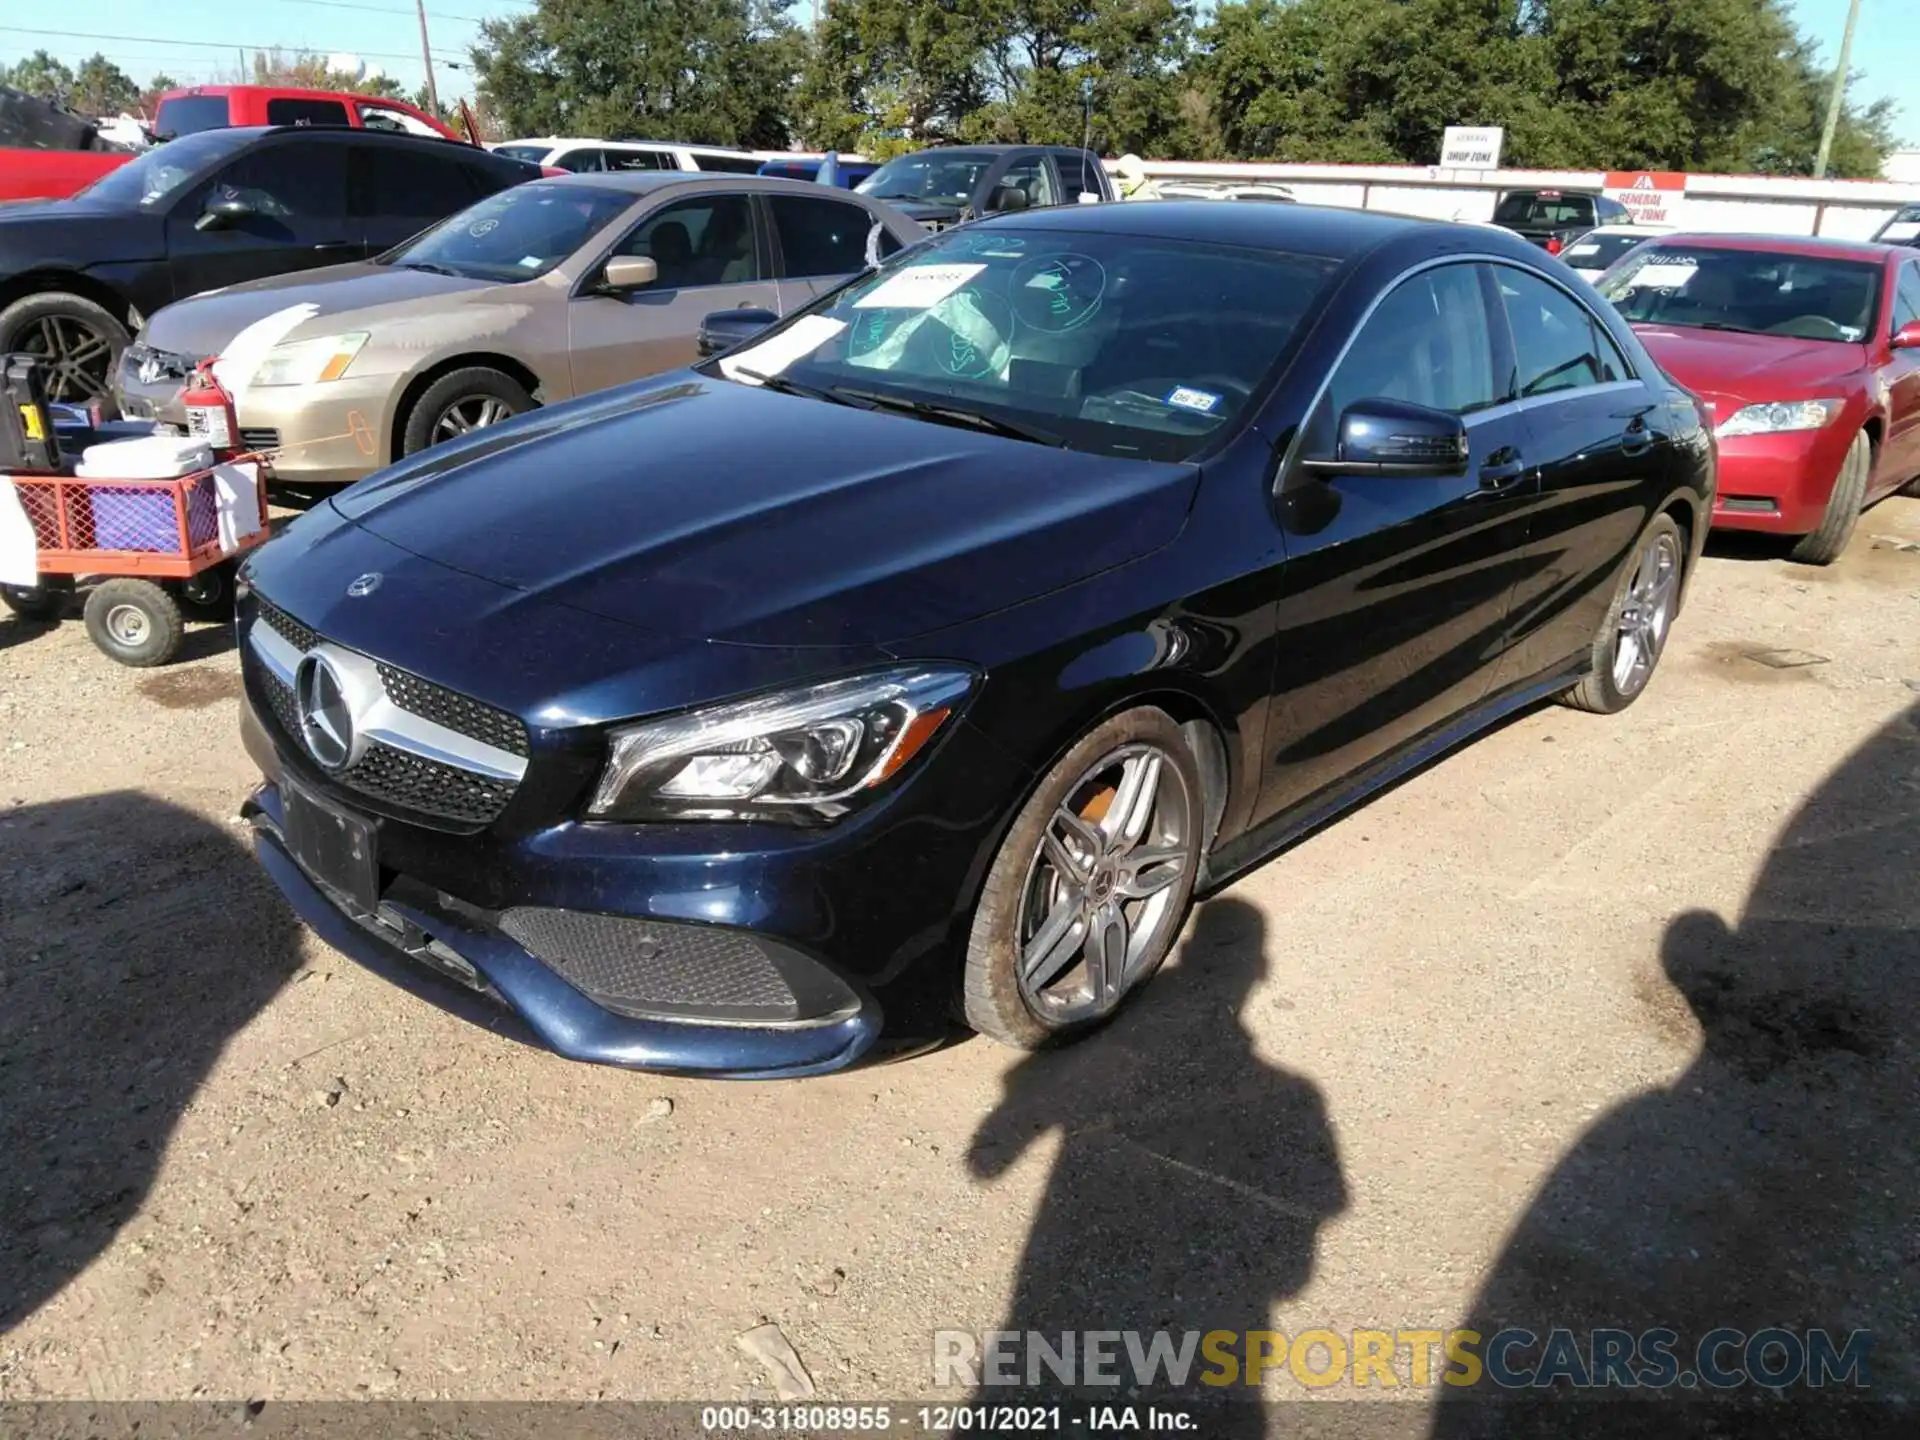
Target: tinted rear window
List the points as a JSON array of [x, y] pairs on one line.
[[190, 114], [730, 164], [1556, 210], [306, 112]]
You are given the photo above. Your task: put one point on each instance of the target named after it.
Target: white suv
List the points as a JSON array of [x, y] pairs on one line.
[[584, 155]]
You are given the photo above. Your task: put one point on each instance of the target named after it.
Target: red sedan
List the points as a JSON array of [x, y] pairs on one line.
[[1807, 353]]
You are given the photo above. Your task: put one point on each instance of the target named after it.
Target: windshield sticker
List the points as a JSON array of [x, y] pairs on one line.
[[772, 355], [1185, 397], [918, 287], [1667, 275], [869, 333], [1580, 252], [480, 229], [976, 325], [1059, 292]]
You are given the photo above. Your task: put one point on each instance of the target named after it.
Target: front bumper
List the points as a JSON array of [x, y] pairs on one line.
[[331, 434], [1779, 484], [453, 957]]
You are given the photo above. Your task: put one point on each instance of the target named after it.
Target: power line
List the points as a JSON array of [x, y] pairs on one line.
[[444, 58]]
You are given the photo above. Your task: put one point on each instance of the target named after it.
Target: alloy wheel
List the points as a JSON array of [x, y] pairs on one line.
[[474, 412], [1097, 910], [1647, 614], [77, 358]]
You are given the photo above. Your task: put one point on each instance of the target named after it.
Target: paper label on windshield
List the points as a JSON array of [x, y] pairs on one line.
[[771, 356], [1662, 277], [918, 287], [1580, 252], [1187, 398]]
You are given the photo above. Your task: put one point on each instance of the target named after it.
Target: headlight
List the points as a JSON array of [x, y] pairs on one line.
[[307, 362], [805, 754], [1782, 416]]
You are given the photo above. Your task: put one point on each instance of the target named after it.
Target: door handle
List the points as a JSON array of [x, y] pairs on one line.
[[1636, 439], [1502, 475]]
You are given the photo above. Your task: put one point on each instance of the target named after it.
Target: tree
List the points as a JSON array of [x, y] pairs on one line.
[[102, 89], [41, 75], [1038, 71], [713, 71]]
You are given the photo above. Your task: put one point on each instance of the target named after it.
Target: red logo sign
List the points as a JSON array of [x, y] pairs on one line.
[[1650, 196]]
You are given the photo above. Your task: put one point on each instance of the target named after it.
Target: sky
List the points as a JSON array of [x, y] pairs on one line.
[[203, 40]]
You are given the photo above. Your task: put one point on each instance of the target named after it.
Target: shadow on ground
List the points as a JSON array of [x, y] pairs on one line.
[[1192, 1177], [1774, 1183], [135, 939]]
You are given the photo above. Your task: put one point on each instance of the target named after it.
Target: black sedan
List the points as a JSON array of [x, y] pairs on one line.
[[924, 655], [78, 276]]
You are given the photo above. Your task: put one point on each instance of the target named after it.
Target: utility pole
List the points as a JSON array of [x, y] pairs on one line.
[[1839, 92], [426, 58]]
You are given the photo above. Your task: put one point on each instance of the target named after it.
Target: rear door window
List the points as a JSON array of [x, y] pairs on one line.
[[583, 161], [1079, 173], [727, 164], [820, 237], [407, 180], [288, 111], [638, 160], [387, 117]]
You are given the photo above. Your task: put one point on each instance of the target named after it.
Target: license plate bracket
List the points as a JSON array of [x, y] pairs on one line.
[[333, 846]]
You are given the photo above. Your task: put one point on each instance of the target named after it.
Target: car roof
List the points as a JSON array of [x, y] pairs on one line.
[[552, 141], [1814, 247], [642, 182], [1304, 229]]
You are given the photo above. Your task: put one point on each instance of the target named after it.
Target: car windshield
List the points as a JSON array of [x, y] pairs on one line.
[[1112, 344], [1597, 252], [930, 175], [1759, 292], [151, 179], [519, 234]]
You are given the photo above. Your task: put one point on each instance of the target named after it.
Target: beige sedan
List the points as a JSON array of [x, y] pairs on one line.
[[549, 290]]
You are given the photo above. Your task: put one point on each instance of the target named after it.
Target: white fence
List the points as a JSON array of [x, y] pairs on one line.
[[1845, 209]]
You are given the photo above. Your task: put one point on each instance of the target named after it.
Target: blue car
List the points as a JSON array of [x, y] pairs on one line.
[[912, 664], [849, 172]]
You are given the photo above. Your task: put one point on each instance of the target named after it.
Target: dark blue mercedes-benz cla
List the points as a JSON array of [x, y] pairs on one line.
[[919, 658]]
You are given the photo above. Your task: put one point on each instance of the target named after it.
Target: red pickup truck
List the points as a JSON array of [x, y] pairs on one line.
[[32, 173]]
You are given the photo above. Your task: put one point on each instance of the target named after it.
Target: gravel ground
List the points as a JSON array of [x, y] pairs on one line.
[[1594, 1021]]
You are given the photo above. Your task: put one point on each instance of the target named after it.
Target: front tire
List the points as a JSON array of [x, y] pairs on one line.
[[1825, 545], [461, 402], [77, 341], [1090, 887], [135, 622], [1634, 633]]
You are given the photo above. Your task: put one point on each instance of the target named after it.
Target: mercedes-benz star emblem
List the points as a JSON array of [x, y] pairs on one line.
[[365, 584], [325, 722]]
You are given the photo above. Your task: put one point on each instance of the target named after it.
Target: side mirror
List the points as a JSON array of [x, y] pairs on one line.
[[1907, 337], [1392, 437], [1005, 198], [724, 329], [221, 211], [630, 272]]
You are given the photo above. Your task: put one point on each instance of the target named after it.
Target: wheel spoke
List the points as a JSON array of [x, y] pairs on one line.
[[1092, 839], [1126, 818], [1071, 866], [1056, 941], [1154, 868], [1106, 952]]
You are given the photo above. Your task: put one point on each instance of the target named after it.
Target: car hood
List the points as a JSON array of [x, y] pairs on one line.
[[377, 294], [1750, 369], [702, 508]]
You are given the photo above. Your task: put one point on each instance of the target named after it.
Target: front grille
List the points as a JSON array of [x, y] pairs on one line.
[[454, 710], [638, 968], [289, 629], [403, 781], [411, 782], [260, 437]]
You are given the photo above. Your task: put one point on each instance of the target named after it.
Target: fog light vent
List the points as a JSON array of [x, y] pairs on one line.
[[640, 968]]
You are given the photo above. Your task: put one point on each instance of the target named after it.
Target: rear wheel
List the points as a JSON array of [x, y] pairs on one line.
[[45, 602], [1090, 888], [208, 595], [77, 341], [1634, 633], [460, 403], [1825, 545]]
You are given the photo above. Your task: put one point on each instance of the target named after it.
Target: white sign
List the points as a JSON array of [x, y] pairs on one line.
[[776, 353], [1472, 147], [918, 287], [1652, 197]]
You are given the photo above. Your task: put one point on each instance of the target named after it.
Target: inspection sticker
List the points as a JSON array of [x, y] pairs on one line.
[[1187, 398], [1669, 276], [918, 287]]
